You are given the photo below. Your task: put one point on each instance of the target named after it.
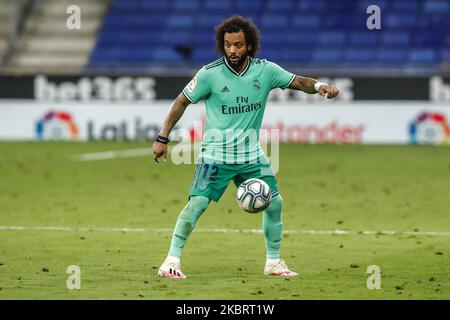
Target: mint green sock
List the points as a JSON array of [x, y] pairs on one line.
[[186, 223], [272, 227]]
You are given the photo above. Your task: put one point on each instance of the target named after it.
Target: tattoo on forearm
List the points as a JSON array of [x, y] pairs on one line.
[[303, 84], [175, 113]]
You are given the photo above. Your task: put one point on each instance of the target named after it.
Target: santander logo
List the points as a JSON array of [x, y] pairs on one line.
[[313, 133], [332, 132]]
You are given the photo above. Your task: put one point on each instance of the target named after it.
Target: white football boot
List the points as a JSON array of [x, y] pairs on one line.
[[278, 268], [171, 268]]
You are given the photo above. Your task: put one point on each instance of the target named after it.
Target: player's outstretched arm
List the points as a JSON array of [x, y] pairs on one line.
[[175, 113], [310, 85]]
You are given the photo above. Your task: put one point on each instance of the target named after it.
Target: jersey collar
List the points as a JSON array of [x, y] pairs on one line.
[[234, 71]]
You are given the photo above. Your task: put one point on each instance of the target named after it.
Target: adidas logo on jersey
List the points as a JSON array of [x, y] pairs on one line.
[[225, 89]]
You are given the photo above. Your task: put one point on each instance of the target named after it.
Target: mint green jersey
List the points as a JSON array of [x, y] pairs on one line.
[[235, 104]]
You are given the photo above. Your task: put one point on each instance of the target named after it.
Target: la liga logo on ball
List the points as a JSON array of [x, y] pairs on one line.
[[254, 195]]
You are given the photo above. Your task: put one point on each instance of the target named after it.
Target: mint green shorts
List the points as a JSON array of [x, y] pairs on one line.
[[212, 179]]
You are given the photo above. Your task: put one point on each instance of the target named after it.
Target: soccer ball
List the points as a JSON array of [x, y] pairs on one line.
[[254, 195]]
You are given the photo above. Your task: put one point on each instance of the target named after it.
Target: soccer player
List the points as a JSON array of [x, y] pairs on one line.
[[235, 89]]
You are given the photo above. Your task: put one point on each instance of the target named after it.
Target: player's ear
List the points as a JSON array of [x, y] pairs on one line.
[[249, 48]]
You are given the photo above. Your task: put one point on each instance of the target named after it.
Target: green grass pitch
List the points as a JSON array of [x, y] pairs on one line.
[[405, 189]]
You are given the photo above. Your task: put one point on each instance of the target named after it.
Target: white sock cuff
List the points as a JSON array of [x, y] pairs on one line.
[[173, 259], [270, 261]]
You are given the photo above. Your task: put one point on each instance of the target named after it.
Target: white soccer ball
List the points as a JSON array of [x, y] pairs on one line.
[[254, 195]]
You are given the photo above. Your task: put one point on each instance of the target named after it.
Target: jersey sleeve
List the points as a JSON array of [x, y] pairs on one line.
[[279, 77], [198, 88]]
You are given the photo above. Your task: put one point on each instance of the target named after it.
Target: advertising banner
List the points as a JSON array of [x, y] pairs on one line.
[[151, 88], [371, 123]]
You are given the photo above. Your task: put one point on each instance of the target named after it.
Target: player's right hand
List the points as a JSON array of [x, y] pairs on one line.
[[159, 150]]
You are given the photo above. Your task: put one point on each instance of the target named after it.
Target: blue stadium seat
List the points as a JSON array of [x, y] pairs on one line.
[[427, 39], [398, 38], [253, 18], [249, 6], [273, 22], [140, 37], [108, 39], [343, 22], [333, 38], [445, 55], [114, 55], [154, 6], [292, 31], [364, 4], [300, 39], [135, 56], [128, 39], [217, 6], [305, 22], [204, 39], [127, 22], [365, 38], [436, 6], [436, 22], [272, 38], [422, 56], [391, 55], [327, 55], [184, 6], [208, 22], [298, 56], [270, 54], [280, 6], [359, 55], [123, 6], [312, 6], [399, 21], [105, 56], [340, 7], [164, 54], [405, 6], [175, 37], [185, 22], [204, 55]]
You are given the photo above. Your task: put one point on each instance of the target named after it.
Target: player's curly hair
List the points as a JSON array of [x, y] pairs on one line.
[[235, 24]]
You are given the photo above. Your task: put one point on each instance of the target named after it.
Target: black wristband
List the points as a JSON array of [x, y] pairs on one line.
[[162, 139]]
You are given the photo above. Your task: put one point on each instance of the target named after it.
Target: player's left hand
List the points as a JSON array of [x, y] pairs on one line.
[[330, 91]]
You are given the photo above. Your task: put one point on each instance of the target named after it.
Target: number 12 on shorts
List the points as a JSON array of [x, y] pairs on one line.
[[205, 172]]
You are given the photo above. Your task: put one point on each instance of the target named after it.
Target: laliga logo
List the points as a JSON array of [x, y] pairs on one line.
[[429, 128], [57, 125]]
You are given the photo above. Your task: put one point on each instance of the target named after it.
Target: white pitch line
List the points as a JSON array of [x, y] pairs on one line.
[[381, 233], [106, 155], [94, 229], [225, 230], [129, 153], [73, 229], [222, 230]]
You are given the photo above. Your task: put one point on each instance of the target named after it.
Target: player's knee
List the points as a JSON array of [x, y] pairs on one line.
[[198, 204], [275, 205]]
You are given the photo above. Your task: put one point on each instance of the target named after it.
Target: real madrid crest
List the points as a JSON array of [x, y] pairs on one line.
[[256, 85]]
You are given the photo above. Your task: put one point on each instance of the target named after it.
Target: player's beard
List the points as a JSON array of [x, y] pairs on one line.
[[237, 65]]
